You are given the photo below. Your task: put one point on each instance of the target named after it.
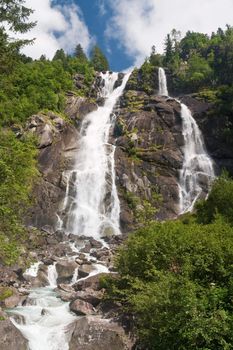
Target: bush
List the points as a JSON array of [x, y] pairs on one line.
[[219, 201], [177, 281], [18, 172]]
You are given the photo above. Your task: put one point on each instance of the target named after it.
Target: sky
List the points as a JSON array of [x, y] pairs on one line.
[[125, 30]]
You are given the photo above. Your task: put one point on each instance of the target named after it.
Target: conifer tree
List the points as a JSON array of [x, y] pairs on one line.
[[80, 54], [98, 60]]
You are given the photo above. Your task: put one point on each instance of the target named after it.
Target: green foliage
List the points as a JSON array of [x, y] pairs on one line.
[[219, 201], [31, 87], [18, 172], [199, 61], [98, 60], [39, 85], [13, 15], [177, 281], [79, 53]]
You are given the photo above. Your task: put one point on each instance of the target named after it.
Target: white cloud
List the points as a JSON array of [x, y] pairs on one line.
[[64, 21], [102, 8], [139, 24]]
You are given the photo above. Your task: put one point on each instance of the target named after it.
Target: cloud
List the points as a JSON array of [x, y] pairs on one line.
[[137, 24], [58, 26], [102, 7]]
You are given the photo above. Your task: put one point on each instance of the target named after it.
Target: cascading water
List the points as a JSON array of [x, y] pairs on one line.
[[197, 172], [197, 167], [91, 212], [163, 91]]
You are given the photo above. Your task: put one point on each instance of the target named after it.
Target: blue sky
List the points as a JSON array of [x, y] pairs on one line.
[[96, 15], [124, 29]]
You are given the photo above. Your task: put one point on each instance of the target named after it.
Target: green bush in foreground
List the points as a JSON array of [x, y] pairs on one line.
[[219, 201], [177, 279]]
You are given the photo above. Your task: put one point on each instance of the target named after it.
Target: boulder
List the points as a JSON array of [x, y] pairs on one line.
[[92, 282], [81, 308], [10, 337], [65, 270], [94, 333], [90, 296], [84, 270]]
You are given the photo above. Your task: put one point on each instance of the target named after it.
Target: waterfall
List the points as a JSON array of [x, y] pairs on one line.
[[197, 172], [197, 167], [163, 91], [94, 210], [92, 207]]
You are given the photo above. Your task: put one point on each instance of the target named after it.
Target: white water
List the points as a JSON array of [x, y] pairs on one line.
[[46, 317], [197, 167], [46, 321], [94, 171], [197, 171], [163, 91]]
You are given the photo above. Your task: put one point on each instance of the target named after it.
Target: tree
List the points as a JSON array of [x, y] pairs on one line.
[[16, 16], [98, 60], [168, 49], [193, 42], [155, 59], [60, 55], [80, 54]]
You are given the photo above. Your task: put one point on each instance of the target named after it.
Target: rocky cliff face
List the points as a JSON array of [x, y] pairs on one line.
[[148, 136], [148, 139], [213, 127]]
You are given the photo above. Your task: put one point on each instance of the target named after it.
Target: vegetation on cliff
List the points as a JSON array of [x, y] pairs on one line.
[[175, 278], [27, 87]]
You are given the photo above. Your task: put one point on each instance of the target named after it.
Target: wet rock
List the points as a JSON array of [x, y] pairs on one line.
[[44, 312], [66, 287], [105, 335], [92, 282], [11, 338], [81, 308], [87, 248], [84, 270], [65, 270], [95, 244]]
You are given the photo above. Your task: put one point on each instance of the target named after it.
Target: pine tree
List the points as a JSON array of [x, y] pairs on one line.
[[15, 15], [168, 49], [80, 54], [98, 60]]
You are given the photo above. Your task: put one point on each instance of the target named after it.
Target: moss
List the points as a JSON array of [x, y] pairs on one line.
[[5, 293]]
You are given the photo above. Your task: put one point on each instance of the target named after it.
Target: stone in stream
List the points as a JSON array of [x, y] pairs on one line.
[[87, 248], [65, 270], [10, 337], [85, 269], [105, 335], [81, 308], [95, 244], [92, 282]]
